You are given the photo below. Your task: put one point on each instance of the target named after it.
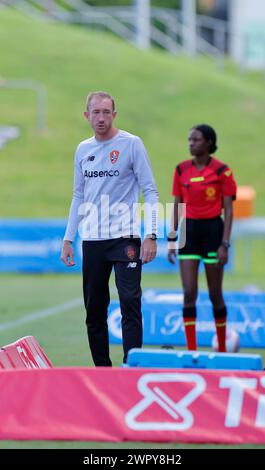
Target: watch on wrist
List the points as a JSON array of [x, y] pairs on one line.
[[226, 244], [152, 236]]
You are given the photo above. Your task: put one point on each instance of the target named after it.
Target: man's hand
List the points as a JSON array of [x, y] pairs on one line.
[[67, 253], [148, 250], [171, 255]]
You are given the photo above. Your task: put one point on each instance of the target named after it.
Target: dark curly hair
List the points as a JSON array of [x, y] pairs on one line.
[[209, 134]]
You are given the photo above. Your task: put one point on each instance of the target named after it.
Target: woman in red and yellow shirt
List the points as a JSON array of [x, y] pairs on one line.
[[206, 186]]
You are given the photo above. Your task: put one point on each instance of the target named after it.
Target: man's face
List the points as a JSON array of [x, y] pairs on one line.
[[100, 115]]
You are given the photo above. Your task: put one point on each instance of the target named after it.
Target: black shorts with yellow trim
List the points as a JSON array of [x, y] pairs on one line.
[[203, 238]]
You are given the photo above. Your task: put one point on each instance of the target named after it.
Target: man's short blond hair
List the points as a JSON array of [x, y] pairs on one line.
[[101, 94]]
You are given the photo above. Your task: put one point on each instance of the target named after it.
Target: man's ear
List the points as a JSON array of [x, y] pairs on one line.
[[86, 115]]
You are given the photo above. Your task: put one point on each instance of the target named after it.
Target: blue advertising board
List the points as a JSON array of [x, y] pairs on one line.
[[163, 325], [35, 245]]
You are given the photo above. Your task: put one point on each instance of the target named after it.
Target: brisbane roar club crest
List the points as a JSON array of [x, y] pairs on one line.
[[130, 252], [114, 155]]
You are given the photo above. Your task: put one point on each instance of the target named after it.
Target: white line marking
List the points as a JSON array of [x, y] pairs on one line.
[[42, 314]]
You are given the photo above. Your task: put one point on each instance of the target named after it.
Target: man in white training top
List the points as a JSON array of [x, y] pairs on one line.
[[110, 170]]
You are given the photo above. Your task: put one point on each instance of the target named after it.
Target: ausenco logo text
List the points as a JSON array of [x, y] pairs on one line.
[[101, 174]]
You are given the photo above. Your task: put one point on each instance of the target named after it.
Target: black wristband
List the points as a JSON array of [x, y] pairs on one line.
[[172, 239]]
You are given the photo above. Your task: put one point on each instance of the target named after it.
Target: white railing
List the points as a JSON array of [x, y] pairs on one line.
[[41, 98], [22, 5], [167, 26]]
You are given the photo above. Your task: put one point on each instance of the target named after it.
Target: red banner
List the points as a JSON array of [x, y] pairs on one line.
[[108, 404]]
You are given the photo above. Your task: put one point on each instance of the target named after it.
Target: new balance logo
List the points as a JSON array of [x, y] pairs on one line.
[[131, 265], [90, 158]]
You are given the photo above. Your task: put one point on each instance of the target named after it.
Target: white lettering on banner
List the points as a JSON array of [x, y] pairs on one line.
[[237, 387], [41, 363], [250, 325], [152, 323], [24, 248], [175, 410], [167, 298], [260, 420], [114, 323], [28, 362], [24, 357], [173, 321]]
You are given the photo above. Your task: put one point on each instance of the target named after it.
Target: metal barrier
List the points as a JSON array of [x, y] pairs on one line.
[[167, 27]]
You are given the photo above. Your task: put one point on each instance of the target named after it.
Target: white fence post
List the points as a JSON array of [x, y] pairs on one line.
[[142, 23]]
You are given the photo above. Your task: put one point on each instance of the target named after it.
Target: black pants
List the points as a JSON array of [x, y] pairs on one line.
[[98, 259]]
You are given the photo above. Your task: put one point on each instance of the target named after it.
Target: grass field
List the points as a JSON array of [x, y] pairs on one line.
[[158, 97], [63, 336]]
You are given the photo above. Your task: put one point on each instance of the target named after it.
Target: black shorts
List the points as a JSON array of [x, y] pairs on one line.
[[203, 238]]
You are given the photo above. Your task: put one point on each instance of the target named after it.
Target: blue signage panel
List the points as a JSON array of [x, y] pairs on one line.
[[35, 246], [163, 325]]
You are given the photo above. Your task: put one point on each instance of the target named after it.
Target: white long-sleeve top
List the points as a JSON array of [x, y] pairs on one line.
[[108, 178]]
